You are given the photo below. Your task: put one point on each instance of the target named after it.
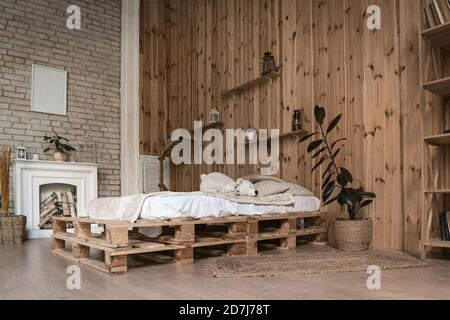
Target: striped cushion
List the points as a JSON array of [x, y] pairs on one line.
[[268, 188]]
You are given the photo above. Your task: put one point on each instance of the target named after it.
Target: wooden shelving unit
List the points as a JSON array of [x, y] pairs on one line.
[[248, 85], [439, 87], [440, 140], [436, 243], [435, 77], [439, 35]]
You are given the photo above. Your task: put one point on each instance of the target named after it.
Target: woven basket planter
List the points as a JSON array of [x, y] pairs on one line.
[[12, 229], [353, 235]]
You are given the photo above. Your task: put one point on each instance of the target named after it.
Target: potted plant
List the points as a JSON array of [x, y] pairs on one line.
[[12, 228], [353, 233], [60, 145]]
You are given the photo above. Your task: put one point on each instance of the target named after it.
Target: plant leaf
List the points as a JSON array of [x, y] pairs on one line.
[[368, 195], [314, 145], [328, 186], [319, 152], [327, 192], [347, 175], [341, 197], [334, 123], [330, 201], [318, 164], [336, 142], [366, 203], [336, 153], [306, 137], [319, 114], [342, 180], [327, 170], [328, 179]]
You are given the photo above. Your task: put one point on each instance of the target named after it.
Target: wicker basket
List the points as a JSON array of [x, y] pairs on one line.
[[353, 235], [12, 229]]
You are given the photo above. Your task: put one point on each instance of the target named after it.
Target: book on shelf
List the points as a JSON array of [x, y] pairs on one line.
[[429, 17], [448, 223], [434, 14], [444, 232], [444, 7], [439, 14]]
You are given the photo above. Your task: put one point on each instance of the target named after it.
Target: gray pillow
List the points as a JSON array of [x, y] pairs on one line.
[[269, 188], [297, 190]]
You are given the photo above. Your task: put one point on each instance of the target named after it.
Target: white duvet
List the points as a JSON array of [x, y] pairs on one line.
[[191, 205]]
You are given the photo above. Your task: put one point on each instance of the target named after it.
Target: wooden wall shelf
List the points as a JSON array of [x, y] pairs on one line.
[[440, 87], [299, 133], [439, 35], [256, 82], [439, 191], [441, 140]]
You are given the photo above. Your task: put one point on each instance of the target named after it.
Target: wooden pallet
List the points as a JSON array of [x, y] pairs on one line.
[[239, 234], [284, 227], [121, 239]]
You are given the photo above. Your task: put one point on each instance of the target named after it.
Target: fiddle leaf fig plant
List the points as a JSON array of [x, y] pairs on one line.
[[337, 181]]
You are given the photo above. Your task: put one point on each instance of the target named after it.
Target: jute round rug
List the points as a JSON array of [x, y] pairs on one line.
[[304, 263]]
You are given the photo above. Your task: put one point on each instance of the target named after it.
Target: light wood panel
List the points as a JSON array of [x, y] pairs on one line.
[[328, 57]]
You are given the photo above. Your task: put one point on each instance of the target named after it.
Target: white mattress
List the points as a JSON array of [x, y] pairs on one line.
[[199, 205]]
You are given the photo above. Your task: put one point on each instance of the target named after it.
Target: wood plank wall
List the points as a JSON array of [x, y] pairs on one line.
[[192, 50]]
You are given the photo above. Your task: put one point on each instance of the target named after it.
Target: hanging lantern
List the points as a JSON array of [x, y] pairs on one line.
[[269, 64], [214, 116]]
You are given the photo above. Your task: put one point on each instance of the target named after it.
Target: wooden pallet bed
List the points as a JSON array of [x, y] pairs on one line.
[[240, 234]]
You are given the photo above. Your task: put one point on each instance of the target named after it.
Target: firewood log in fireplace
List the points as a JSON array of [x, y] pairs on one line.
[[65, 204], [47, 218]]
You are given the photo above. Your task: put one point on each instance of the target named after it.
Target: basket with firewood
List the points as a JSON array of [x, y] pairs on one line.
[[12, 227]]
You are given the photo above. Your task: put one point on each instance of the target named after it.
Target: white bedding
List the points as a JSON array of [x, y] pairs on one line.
[[171, 205], [199, 205]]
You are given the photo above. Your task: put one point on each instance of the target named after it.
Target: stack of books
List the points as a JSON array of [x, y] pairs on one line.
[[437, 12], [444, 229]]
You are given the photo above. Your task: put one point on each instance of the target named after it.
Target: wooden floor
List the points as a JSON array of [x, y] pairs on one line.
[[31, 271]]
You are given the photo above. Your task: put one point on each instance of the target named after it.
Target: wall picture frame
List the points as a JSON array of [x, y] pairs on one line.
[[49, 90]]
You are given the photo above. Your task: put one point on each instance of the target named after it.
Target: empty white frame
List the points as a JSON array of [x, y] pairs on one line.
[[49, 90]]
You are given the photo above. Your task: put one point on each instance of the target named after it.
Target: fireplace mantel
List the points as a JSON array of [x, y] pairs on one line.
[[30, 175]]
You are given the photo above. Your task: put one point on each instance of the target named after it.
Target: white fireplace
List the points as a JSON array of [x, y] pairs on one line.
[[32, 179]]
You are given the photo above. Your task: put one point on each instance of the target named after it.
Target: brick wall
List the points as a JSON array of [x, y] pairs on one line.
[[35, 32]]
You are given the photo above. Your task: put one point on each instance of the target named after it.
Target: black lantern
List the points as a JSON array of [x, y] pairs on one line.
[[297, 120], [269, 64]]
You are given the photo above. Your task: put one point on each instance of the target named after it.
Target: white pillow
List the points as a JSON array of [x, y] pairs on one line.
[[270, 187], [217, 182]]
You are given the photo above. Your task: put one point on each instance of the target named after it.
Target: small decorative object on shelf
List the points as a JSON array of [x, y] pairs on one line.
[[269, 64], [297, 120], [214, 116], [21, 153], [60, 145]]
